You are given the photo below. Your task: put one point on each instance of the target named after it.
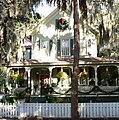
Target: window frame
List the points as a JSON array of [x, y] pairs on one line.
[[68, 52]]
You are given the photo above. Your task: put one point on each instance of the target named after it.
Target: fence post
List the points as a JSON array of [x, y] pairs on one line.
[[21, 109], [1, 106]]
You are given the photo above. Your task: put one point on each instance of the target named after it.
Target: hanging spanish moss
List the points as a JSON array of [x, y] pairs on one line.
[[83, 8], [110, 2], [5, 35]]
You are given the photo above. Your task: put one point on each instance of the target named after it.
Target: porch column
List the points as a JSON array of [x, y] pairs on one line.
[[28, 70], [96, 79], [7, 69], [71, 74], [117, 79], [50, 76], [118, 70], [7, 80]]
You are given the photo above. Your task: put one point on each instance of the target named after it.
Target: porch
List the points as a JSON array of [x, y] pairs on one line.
[[54, 77]]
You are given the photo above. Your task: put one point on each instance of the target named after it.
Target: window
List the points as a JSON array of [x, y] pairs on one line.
[[45, 46], [83, 47], [28, 53], [89, 43], [65, 50], [65, 47]]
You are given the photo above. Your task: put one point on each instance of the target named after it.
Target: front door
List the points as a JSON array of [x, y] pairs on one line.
[[40, 78], [44, 80], [44, 84]]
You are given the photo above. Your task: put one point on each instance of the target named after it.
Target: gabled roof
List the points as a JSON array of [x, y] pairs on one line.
[[44, 21]]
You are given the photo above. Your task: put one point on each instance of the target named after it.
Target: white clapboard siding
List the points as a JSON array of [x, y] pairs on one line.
[[86, 110]]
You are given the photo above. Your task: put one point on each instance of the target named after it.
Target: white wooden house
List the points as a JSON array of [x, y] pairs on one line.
[[49, 50]]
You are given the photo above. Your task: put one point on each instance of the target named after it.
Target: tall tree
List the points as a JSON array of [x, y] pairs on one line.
[[14, 16], [74, 96], [103, 21]]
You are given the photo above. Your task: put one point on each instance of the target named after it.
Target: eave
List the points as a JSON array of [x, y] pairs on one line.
[[64, 62]]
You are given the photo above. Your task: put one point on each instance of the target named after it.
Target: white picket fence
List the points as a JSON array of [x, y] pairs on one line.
[[86, 110]]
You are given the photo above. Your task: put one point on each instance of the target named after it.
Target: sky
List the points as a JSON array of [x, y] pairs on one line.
[[45, 9]]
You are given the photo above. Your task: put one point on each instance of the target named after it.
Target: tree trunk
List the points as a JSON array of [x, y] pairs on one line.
[[74, 97]]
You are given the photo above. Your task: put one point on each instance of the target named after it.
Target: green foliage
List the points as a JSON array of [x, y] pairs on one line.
[[8, 99], [16, 77], [17, 95], [59, 75], [15, 20], [37, 16], [2, 76], [20, 94], [62, 75], [54, 85], [52, 99], [105, 76], [49, 99], [83, 75]]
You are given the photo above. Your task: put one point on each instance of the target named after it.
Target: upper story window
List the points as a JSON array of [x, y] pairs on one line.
[[65, 50], [62, 48], [28, 53], [45, 47], [27, 41], [27, 44], [44, 44], [65, 47]]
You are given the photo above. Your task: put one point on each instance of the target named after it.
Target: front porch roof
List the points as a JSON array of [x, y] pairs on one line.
[[65, 61]]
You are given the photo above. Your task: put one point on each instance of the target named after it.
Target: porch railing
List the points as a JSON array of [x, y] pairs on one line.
[[86, 110]]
